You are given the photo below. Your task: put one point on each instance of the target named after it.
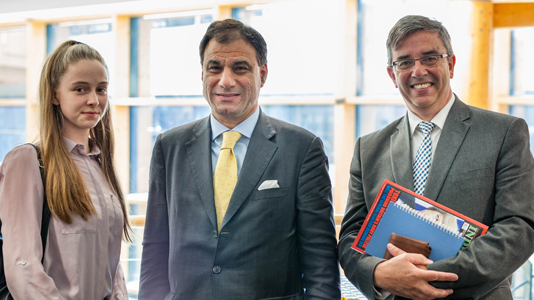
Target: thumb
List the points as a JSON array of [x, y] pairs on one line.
[[416, 259], [394, 250]]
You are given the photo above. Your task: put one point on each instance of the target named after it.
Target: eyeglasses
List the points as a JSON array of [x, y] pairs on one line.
[[427, 61]]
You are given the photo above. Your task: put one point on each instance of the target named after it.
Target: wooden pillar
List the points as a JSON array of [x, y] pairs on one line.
[[344, 113], [121, 114], [479, 72], [344, 139], [35, 56]]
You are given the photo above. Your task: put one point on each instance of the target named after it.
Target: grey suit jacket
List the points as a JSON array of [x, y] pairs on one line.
[[274, 244], [482, 168]]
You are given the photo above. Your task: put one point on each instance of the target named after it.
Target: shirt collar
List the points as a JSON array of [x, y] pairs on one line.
[[245, 128], [439, 119], [73, 146]]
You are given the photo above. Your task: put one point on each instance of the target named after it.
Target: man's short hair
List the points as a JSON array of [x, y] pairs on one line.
[[230, 30], [410, 24]]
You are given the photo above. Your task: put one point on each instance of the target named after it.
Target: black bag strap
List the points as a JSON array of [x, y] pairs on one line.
[[45, 221]]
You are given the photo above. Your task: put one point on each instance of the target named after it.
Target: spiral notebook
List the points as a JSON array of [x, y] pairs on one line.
[[404, 220]]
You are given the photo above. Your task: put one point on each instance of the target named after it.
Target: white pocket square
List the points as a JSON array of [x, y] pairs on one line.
[[269, 184]]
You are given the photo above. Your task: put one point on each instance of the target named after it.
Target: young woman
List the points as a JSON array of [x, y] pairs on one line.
[[89, 218]]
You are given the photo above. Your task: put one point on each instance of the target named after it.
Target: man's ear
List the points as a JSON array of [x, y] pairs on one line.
[[264, 70], [451, 62], [391, 74]]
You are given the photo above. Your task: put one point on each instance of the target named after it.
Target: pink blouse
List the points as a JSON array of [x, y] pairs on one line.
[[81, 259]]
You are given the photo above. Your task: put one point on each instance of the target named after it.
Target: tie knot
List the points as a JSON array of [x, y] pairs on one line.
[[426, 127], [229, 139]]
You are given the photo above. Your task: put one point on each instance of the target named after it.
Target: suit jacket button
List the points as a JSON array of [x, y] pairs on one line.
[[216, 269], [215, 233]]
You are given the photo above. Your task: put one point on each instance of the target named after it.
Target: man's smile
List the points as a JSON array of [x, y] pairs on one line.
[[419, 86]]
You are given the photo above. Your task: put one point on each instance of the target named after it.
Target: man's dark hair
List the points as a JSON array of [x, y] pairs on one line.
[[410, 24], [230, 30]]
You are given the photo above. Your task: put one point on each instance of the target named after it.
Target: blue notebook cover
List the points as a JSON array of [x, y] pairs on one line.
[[404, 221]]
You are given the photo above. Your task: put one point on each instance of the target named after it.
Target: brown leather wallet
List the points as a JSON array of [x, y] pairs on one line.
[[409, 245]]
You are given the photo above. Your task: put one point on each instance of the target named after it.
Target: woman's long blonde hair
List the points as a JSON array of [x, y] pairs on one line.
[[65, 188]]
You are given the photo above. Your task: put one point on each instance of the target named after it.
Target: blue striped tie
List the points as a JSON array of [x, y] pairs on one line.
[[421, 167]]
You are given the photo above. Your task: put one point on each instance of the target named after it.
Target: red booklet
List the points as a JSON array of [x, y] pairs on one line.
[[436, 213]]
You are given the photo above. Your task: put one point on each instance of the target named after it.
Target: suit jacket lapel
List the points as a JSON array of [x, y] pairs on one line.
[[452, 137], [199, 156], [401, 158], [259, 153]]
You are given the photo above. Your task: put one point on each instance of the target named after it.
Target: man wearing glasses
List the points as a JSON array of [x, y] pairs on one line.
[[474, 161]]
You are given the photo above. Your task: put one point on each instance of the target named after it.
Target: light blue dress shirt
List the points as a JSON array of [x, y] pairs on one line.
[[240, 149]]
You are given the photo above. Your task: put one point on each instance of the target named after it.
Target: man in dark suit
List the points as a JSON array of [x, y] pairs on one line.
[[239, 203], [474, 161]]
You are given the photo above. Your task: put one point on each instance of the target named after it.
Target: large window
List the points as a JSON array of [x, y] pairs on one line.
[[522, 62], [12, 62]]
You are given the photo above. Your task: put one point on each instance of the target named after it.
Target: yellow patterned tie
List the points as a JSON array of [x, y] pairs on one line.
[[225, 176]]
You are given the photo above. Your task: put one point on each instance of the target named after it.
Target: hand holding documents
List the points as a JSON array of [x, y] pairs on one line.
[[399, 211]]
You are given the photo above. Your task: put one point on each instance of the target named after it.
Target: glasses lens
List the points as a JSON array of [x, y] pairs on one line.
[[405, 64], [429, 60]]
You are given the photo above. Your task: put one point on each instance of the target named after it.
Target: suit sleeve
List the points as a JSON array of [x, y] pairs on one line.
[[316, 227], [359, 268], [154, 279], [509, 242]]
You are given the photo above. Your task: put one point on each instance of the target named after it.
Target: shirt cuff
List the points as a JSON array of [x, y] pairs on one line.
[[381, 294]]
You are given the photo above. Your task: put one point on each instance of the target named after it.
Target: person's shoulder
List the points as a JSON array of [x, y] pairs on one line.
[[465, 112], [384, 132], [21, 152], [21, 156], [185, 130], [485, 113], [491, 119]]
